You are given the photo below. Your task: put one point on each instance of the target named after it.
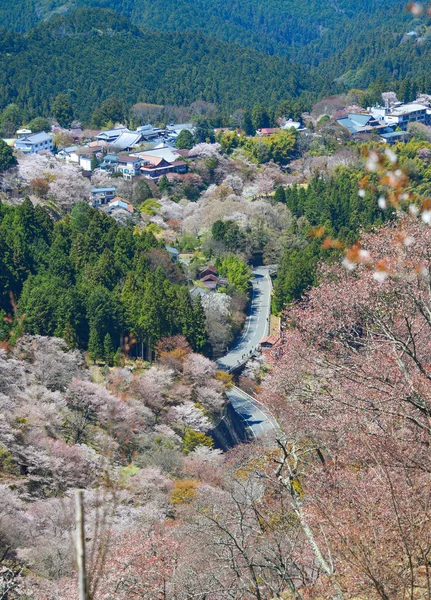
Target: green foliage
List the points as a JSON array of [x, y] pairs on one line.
[[247, 124], [279, 195], [39, 124], [260, 117], [111, 111], [188, 243], [278, 146], [164, 185], [88, 280], [228, 140], [235, 271], [229, 234], [334, 204], [204, 130], [95, 347], [150, 206], [141, 192], [192, 439], [108, 350], [10, 120], [94, 162], [323, 119], [91, 41], [7, 158], [185, 140], [62, 110], [7, 463]]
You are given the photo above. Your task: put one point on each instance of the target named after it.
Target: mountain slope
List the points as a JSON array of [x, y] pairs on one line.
[[94, 53], [272, 26]]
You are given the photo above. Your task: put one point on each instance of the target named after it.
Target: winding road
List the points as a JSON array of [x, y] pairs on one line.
[[256, 327]]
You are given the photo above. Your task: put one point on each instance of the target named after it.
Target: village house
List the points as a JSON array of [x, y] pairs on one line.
[[400, 115], [111, 135], [198, 292], [109, 163], [269, 342], [165, 151], [209, 278], [360, 125], [127, 140], [86, 155], [153, 167], [148, 132], [32, 144], [209, 270], [128, 166], [69, 154], [173, 253], [265, 131], [101, 196], [118, 203]]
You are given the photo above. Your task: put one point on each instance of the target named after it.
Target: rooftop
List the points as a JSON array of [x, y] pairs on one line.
[[128, 139], [406, 109], [36, 138], [127, 159], [100, 190]]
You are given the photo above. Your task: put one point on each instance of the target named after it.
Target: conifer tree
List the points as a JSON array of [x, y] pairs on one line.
[[108, 350], [69, 336], [95, 347], [200, 335]]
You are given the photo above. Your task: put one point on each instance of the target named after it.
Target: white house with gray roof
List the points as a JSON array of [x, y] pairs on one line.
[[32, 144]]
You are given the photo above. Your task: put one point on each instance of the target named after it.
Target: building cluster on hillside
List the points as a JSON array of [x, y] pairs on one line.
[[148, 151], [389, 122]]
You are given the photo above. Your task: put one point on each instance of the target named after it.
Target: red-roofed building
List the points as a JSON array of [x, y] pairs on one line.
[[269, 342], [154, 167], [209, 270], [268, 131]]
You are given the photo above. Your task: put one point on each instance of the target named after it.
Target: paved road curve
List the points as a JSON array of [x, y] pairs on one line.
[[257, 323], [254, 414]]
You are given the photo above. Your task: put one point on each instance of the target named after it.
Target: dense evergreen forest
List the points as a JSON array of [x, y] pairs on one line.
[[172, 61], [95, 54], [333, 204], [93, 283], [272, 26]]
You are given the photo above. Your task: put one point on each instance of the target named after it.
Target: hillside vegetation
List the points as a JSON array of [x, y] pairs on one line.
[[95, 54]]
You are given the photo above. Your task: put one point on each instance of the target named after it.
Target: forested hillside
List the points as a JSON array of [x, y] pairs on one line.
[[95, 54], [76, 54], [91, 282], [273, 26]]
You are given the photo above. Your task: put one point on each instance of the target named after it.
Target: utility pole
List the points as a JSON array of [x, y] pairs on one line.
[[80, 546]]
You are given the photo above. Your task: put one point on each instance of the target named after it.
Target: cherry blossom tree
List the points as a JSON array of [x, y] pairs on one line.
[[351, 391]]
